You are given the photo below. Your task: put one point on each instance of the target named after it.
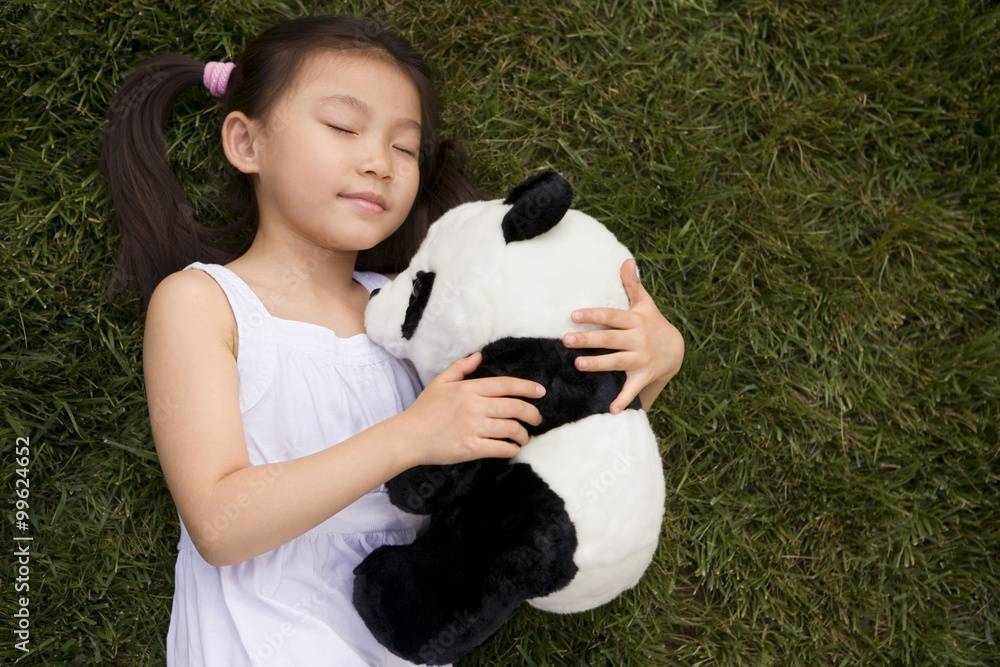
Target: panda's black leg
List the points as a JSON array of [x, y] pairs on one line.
[[429, 489], [447, 593], [405, 593], [523, 533]]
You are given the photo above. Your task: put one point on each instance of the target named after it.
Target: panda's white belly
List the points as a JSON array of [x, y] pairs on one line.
[[607, 469]]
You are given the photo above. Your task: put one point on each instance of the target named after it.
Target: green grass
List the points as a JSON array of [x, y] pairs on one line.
[[812, 190]]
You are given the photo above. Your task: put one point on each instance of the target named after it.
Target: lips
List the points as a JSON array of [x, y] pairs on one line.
[[366, 201]]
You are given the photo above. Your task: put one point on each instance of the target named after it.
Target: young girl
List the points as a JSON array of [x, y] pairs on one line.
[[275, 419]]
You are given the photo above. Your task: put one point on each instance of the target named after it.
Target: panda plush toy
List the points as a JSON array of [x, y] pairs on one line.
[[574, 518]]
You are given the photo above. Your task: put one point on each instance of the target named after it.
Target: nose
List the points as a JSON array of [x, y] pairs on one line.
[[376, 161]]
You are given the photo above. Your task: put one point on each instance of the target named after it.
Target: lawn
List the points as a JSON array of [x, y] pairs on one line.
[[812, 191]]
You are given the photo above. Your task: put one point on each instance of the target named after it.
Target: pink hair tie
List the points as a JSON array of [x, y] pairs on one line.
[[217, 77]]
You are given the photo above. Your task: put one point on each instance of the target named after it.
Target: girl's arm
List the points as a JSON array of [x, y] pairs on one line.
[[234, 510], [650, 349]]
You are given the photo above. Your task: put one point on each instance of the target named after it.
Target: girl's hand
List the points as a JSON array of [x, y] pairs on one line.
[[455, 420], [650, 349]]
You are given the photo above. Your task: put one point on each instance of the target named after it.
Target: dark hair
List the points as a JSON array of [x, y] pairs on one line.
[[158, 233]]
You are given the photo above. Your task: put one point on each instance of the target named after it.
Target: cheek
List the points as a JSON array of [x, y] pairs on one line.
[[406, 191], [297, 168], [408, 176], [411, 192]]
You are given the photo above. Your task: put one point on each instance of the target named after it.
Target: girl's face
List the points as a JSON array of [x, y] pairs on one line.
[[337, 161]]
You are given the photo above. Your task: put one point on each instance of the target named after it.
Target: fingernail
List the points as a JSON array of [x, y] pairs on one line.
[[540, 390], [571, 339], [615, 409], [582, 363], [577, 316]]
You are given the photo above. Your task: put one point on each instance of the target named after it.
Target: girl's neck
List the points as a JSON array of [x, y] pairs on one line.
[[296, 265], [303, 282]]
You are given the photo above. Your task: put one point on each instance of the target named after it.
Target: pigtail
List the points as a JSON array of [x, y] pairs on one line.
[[158, 233]]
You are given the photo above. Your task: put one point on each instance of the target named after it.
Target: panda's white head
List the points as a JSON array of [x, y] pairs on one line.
[[516, 267]]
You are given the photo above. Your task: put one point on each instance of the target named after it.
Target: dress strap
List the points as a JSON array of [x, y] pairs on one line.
[[256, 356], [249, 311], [371, 280]]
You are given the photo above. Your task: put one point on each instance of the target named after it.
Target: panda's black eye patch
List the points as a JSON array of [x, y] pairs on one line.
[[421, 293]]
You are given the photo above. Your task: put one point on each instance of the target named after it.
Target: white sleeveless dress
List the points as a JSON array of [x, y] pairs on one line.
[[301, 389]]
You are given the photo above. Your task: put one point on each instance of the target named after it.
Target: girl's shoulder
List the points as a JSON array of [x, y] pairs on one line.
[[190, 289], [191, 300]]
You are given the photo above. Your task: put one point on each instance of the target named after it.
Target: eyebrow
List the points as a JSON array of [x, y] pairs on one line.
[[362, 107]]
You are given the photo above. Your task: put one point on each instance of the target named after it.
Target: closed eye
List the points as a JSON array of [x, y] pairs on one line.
[[406, 151], [341, 129]]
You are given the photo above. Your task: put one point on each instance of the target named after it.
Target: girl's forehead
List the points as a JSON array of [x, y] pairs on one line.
[[357, 74]]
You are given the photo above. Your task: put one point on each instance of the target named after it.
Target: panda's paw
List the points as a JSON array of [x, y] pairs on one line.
[[430, 489]]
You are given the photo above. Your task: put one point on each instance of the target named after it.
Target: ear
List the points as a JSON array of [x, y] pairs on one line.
[[538, 204], [238, 134]]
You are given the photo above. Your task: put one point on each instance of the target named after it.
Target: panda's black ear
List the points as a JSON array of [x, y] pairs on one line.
[[538, 204]]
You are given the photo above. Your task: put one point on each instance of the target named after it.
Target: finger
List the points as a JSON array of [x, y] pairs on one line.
[[457, 370], [507, 429], [629, 391], [470, 363], [630, 281], [493, 387], [498, 449], [513, 408], [616, 361], [615, 318], [612, 339]]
